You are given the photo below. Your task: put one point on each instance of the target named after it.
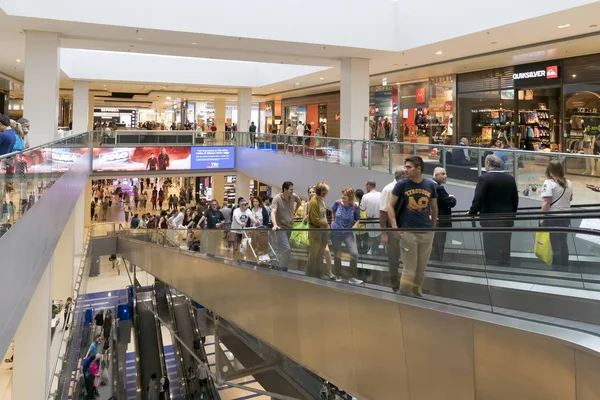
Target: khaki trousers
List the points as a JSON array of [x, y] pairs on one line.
[[416, 249]]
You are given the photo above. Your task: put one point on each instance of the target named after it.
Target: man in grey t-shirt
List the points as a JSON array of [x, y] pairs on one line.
[[283, 209]]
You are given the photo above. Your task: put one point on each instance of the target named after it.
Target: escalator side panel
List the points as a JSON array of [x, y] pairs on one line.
[[147, 344], [375, 345]]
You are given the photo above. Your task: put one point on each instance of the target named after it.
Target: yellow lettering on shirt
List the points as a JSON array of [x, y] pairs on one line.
[[418, 199]]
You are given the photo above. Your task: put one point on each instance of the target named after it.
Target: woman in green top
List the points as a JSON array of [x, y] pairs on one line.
[[316, 216]]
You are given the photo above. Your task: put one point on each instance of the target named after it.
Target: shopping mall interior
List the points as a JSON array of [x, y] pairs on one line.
[[199, 204]]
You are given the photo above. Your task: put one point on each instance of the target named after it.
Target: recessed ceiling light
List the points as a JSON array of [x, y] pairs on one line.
[[574, 75], [140, 38], [397, 83], [564, 26], [321, 78], [272, 89], [194, 43], [297, 83], [18, 60], [438, 53], [168, 97]]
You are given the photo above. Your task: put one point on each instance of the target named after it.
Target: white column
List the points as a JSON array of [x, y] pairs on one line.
[[90, 111], [242, 186], [244, 106], [81, 103], [42, 74], [354, 100], [220, 114], [32, 344]]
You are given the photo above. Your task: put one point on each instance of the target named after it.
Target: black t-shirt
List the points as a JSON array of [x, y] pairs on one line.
[[99, 320], [415, 210], [213, 218]]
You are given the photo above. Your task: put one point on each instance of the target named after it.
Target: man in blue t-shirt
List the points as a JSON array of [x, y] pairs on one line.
[[7, 135], [413, 204]]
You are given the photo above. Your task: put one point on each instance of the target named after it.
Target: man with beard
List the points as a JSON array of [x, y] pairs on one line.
[[163, 160]]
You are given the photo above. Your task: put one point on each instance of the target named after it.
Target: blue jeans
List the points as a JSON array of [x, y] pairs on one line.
[[351, 248]]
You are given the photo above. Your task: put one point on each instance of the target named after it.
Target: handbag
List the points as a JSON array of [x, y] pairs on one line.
[[543, 247], [299, 239], [97, 381]]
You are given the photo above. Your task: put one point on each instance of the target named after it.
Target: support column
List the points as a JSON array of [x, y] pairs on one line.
[[63, 263], [81, 104], [90, 111], [354, 100], [220, 114], [87, 209], [242, 186], [244, 106], [42, 74], [218, 188], [32, 344]]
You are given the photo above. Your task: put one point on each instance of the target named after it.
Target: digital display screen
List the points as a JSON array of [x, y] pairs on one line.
[[213, 157], [141, 159]]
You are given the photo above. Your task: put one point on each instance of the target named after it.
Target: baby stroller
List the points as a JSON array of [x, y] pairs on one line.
[[256, 245]]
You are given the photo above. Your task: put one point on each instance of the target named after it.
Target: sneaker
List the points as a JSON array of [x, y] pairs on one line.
[[417, 292], [354, 281]]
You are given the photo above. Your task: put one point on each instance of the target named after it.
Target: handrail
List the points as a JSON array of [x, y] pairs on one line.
[[161, 348], [62, 374], [179, 359], [42, 146]]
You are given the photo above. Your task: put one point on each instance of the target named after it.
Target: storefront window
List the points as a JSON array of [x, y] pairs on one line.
[[382, 118], [440, 109], [484, 116]]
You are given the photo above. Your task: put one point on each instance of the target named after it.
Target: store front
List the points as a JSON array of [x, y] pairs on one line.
[[383, 112], [550, 106], [121, 118], [315, 111]]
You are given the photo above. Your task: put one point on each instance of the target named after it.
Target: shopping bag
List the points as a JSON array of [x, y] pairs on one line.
[[543, 248], [299, 239], [245, 245]]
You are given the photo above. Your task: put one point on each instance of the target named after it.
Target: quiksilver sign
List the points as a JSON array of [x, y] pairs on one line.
[[548, 73]]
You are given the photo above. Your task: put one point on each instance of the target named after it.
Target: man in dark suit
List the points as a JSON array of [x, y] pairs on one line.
[[445, 204], [496, 193]]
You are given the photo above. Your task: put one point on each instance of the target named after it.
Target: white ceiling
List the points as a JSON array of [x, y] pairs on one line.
[[498, 44]]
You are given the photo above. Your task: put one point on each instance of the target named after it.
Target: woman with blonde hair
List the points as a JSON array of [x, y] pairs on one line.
[[557, 194]]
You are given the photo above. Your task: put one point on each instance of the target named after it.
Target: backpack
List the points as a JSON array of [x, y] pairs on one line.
[[166, 384], [19, 144]]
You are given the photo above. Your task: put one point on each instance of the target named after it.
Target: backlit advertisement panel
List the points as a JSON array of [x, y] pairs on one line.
[[213, 157], [141, 159]]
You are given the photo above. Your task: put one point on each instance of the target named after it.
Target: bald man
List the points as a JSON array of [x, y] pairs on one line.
[[445, 204]]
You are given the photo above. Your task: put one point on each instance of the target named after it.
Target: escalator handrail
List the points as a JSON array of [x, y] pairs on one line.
[[175, 326], [161, 349], [136, 326], [42, 146]]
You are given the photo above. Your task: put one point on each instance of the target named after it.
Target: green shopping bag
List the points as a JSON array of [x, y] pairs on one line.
[[543, 247], [299, 239]]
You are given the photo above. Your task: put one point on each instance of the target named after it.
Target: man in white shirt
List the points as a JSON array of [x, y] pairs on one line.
[[300, 132], [176, 222], [370, 204], [289, 130], [393, 244]]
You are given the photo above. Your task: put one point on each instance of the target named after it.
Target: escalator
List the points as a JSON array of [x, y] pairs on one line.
[[186, 329], [148, 348], [378, 345]]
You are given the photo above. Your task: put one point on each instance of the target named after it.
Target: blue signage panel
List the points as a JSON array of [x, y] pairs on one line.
[[206, 157]]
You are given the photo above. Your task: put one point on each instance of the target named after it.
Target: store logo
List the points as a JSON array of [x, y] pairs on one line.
[[552, 72], [420, 95]]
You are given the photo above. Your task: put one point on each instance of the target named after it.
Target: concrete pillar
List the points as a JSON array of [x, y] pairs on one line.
[[218, 188], [244, 106], [242, 186], [90, 111], [81, 105], [354, 99], [63, 262], [42, 74], [220, 114], [32, 344]]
